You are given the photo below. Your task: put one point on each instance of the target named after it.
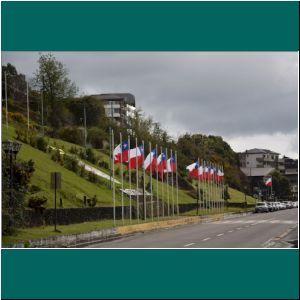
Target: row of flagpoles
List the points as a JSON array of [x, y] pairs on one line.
[[154, 164], [157, 163], [210, 179]]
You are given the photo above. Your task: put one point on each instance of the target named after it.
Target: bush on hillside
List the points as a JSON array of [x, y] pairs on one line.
[[70, 162], [41, 143], [96, 137], [71, 134]]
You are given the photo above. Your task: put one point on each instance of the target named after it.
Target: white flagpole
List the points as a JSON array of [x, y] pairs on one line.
[[198, 177], [129, 177], [27, 108], [223, 193], [137, 182], [162, 185], [151, 192], [157, 199], [122, 184], [172, 177], [113, 173], [144, 189], [6, 112], [205, 185], [176, 184], [168, 197]]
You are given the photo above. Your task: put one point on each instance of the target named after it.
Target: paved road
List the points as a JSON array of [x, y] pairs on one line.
[[264, 230]]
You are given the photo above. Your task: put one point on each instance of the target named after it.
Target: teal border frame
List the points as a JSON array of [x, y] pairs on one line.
[[150, 26]]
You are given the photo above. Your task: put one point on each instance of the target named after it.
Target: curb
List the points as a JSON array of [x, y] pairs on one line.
[[104, 235]]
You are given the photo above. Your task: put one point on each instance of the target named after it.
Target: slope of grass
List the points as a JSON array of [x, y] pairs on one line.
[[74, 187]]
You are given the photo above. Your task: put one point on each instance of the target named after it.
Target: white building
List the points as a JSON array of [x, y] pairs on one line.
[[258, 158], [118, 106]]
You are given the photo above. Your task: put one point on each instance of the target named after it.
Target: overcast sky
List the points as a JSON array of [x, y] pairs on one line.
[[249, 98]]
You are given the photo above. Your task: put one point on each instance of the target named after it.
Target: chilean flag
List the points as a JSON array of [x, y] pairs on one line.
[[200, 172], [150, 161], [220, 175], [268, 182], [205, 172], [136, 157], [161, 162], [171, 165], [193, 169], [121, 151]]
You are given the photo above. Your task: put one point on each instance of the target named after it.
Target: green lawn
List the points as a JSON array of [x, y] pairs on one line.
[[75, 187]]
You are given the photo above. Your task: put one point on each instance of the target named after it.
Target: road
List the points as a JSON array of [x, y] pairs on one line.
[[265, 230]]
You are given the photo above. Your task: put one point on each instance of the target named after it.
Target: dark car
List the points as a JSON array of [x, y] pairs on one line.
[[261, 207]]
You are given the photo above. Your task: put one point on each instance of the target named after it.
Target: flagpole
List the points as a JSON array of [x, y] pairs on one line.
[[6, 112], [223, 194], [157, 199], [176, 184], [172, 177], [27, 109], [151, 192], [198, 187], [168, 198], [122, 184], [144, 179], [162, 184], [137, 183], [113, 173], [129, 177]]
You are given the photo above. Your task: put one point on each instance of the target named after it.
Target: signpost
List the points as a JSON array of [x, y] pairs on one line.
[[55, 185]]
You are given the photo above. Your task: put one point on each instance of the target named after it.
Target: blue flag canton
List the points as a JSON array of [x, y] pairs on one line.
[[125, 145], [173, 159], [141, 150], [154, 152], [163, 156]]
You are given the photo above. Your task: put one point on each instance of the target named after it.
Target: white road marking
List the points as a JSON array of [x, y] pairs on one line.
[[230, 231], [239, 228], [220, 234], [206, 239], [187, 245]]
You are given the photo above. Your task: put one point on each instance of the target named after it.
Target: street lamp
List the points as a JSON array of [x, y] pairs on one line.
[[11, 149]]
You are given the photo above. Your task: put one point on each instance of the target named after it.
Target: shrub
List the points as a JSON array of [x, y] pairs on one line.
[[17, 117], [37, 202], [74, 150], [92, 177], [92, 201], [96, 137], [70, 162], [55, 156], [71, 134], [41, 143]]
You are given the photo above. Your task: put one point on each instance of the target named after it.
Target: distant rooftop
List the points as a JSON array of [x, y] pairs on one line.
[[129, 98], [259, 151]]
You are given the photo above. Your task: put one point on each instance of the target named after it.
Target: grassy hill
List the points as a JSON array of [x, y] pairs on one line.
[[75, 187]]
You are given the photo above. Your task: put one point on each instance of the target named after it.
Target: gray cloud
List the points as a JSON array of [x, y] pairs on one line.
[[225, 93]]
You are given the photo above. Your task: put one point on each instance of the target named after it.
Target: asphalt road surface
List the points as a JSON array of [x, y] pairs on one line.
[[264, 230]]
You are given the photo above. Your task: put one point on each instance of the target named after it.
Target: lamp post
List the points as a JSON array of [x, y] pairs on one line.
[[11, 149]]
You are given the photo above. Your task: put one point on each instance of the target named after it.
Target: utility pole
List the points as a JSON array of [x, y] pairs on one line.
[[6, 112], [85, 134], [27, 111]]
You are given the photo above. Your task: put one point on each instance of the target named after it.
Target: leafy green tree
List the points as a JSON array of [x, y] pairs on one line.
[[281, 186], [13, 195], [52, 79]]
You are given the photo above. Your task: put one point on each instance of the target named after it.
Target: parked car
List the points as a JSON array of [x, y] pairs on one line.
[[270, 206], [261, 207], [282, 205], [275, 206], [295, 204], [288, 204]]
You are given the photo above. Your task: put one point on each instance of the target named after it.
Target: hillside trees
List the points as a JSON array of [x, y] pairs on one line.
[[52, 79]]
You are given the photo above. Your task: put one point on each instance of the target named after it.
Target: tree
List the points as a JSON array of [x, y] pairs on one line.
[[13, 196], [281, 186], [16, 83], [52, 79]]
